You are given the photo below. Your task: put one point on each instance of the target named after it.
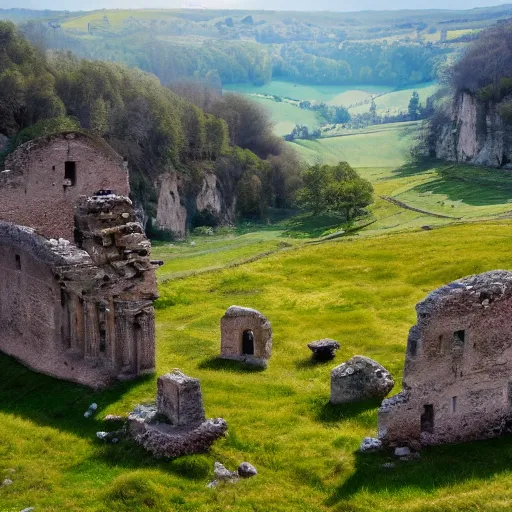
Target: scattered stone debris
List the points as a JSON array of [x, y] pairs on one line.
[[92, 409], [402, 451], [29, 509], [113, 418], [426, 228], [359, 378], [6, 482], [324, 350], [111, 437], [176, 425], [224, 475], [460, 342], [246, 335], [389, 465], [370, 444], [246, 470]]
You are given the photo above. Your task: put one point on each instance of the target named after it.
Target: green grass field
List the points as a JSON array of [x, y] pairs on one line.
[[398, 101], [286, 116], [377, 146], [319, 93]]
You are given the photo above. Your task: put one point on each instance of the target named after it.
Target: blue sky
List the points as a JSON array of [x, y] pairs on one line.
[[333, 5]]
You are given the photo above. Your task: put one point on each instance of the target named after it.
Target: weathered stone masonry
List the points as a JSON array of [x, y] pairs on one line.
[[457, 383], [45, 177], [81, 310]]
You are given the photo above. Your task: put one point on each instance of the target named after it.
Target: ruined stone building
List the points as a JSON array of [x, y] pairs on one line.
[[457, 383], [76, 298], [246, 335]]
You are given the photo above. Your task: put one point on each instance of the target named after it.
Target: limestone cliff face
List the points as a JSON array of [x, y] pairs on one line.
[[477, 134], [171, 215], [179, 201]]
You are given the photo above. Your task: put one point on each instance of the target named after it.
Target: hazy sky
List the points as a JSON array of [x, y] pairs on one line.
[[333, 5]]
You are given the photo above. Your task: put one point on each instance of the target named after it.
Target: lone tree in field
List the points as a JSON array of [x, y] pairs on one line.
[[414, 106], [334, 189]]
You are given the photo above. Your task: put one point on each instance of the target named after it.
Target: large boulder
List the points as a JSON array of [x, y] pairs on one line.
[[359, 378]]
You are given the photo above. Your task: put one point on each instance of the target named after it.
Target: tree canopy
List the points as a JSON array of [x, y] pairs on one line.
[[335, 189]]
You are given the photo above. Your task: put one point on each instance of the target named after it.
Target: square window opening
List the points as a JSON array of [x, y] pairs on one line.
[[459, 336]]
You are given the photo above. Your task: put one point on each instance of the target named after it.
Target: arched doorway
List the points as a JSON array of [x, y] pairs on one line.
[[248, 343]]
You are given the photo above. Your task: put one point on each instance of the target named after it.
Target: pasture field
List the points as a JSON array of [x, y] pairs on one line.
[[376, 146], [359, 291], [286, 116], [319, 93], [397, 102]]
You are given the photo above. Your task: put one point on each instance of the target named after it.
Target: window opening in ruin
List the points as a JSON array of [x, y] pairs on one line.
[[70, 173], [53, 167], [62, 297], [454, 404], [459, 336], [18, 262], [248, 343], [427, 419]]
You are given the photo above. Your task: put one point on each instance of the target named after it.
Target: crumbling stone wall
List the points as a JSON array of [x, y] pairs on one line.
[[238, 320], [44, 178], [81, 312], [457, 383]]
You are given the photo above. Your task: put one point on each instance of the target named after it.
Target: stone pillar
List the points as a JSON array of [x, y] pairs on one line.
[[92, 334], [179, 398]]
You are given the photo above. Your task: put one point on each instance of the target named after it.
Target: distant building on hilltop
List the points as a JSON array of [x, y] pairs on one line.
[[76, 301], [457, 383]]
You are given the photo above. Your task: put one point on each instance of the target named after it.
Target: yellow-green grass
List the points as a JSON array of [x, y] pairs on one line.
[[119, 18], [454, 34], [208, 253], [319, 93], [286, 116], [463, 191], [378, 146], [397, 102], [361, 292], [351, 97]]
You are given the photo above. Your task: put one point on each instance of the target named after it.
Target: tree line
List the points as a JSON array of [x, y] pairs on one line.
[[148, 124]]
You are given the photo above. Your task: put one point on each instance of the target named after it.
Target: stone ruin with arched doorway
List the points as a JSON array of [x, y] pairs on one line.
[[246, 335]]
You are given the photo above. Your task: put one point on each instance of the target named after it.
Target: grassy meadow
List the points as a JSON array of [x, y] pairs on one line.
[[359, 291], [332, 94]]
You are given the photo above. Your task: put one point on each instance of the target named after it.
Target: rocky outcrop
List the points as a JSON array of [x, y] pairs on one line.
[[475, 133], [209, 198], [180, 200], [171, 215]]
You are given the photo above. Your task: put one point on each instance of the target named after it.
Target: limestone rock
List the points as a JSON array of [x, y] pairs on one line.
[[402, 451], [370, 444], [246, 470], [223, 474], [324, 349], [359, 378]]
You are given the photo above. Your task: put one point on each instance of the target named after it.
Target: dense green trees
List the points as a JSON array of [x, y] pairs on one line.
[[229, 59], [148, 124], [335, 189]]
